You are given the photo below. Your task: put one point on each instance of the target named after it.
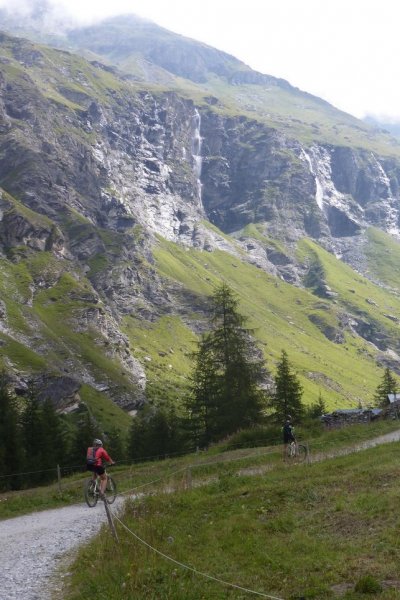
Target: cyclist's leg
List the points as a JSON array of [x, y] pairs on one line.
[[103, 480]]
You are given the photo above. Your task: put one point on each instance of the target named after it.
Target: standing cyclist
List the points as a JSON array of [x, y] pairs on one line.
[[288, 435], [94, 462]]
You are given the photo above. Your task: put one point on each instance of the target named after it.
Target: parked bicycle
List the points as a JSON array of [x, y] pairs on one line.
[[296, 452], [91, 491]]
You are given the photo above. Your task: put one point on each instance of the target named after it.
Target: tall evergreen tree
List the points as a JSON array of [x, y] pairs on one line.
[[225, 383], [286, 398], [115, 444], [87, 431], [388, 385], [53, 441], [11, 452], [33, 434], [156, 432]]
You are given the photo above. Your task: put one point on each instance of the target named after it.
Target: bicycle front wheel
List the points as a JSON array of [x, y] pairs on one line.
[[291, 451], [302, 452], [90, 493], [111, 490]]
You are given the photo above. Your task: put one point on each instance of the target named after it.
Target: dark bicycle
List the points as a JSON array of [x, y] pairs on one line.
[[91, 491], [296, 452]]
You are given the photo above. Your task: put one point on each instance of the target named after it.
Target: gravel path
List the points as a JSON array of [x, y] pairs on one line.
[[33, 547]]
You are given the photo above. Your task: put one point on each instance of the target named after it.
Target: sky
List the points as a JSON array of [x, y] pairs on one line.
[[344, 51]]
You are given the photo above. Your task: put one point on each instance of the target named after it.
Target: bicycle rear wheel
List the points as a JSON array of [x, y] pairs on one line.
[[90, 493], [111, 490]]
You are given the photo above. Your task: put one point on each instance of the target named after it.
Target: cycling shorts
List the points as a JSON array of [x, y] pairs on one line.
[[99, 470]]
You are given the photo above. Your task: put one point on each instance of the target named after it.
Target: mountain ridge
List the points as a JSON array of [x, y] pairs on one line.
[[117, 193]]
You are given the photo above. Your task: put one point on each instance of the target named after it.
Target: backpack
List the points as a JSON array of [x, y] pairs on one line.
[[91, 456], [287, 429]]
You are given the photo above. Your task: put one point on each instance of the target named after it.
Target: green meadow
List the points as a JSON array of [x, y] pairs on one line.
[[328, 529]]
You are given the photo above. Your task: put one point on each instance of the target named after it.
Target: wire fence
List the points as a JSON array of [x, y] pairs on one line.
[[66, 470], [62, 473]]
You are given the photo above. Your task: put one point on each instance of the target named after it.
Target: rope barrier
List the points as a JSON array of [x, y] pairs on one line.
[[144, 458], [29, 473], [192, 569]]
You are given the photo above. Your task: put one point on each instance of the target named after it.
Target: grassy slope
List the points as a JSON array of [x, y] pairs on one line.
[[383, 254], [40, 332], [345, 373], [153, 476], [293, 532], [302, 116]]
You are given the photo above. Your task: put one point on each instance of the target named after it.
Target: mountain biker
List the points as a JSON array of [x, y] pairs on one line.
[[94, 462], [288, 435]]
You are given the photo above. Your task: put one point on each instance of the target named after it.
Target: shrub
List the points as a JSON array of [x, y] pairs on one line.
[[368, 585], [256, 436]]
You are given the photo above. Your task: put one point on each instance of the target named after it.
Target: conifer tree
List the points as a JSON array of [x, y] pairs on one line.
[[53, 441], [317, 409], [115, 444], [388, 385], [286, 398], [87, 431], [32, 432], [228, 371], [11, 452], [155, 433]]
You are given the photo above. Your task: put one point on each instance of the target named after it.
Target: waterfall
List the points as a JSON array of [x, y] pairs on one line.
[[319, 192], [196, 150], [392, 221]]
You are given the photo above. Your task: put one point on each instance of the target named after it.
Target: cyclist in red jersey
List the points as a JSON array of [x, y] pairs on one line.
[[94, 462]]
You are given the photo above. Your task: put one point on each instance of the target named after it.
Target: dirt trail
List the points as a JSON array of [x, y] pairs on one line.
[[34, 546]]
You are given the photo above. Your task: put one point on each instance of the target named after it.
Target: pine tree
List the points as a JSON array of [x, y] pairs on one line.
[[388, 385], [33, 434], [315, 276], [286, 398], [317, 409], [156, 432], [225, 392], [87, 431], [115, 444], [53, 441], [139, 442], [11, 451]]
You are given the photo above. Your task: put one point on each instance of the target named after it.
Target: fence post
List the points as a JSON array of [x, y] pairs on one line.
[[59, 478], [188, 478], [110, 520]]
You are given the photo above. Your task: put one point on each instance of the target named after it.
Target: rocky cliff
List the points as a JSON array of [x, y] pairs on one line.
[[95, 169]]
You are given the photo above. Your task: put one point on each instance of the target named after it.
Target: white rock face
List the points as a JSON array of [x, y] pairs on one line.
[[319, 161], [389, 204]]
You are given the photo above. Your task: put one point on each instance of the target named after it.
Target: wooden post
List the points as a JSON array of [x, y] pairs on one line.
[[188, 478], [59, 479], [110, 520]]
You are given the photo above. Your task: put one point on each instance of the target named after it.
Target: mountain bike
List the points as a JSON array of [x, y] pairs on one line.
[[296, 452], [91, 490]]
